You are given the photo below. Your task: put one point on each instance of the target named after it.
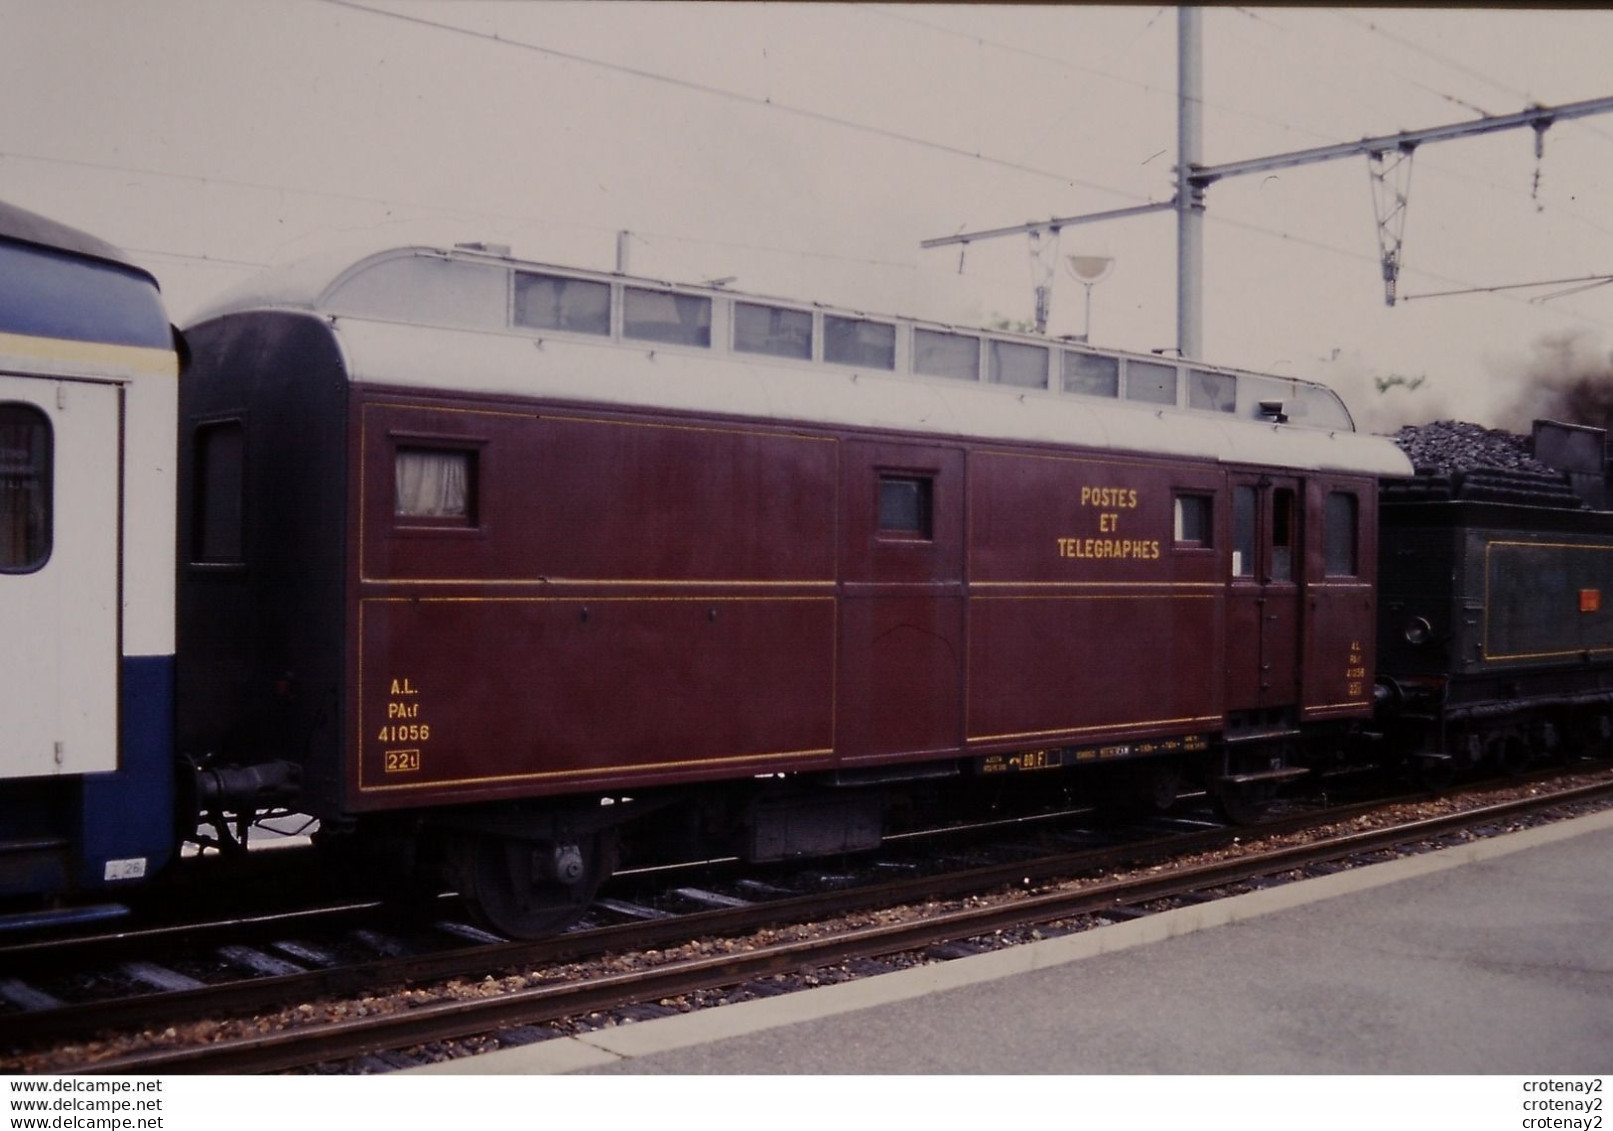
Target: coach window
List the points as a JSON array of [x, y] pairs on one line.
[[1216, 392], [939, 354], [1243, 532], [218, 536], [435, 487], [774, 330], [1151, 382], [1091, 374], [1193, 522], [553, 302], [1319, 408], [1282, 534], [1019, 365], [857, 341], [905, 506], [1340, 523], [662, 316], [455, 293], [25, 482]]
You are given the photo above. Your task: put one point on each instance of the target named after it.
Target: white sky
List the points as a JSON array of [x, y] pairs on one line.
[[809, 149]]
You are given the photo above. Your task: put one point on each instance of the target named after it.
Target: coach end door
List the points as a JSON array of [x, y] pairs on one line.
[[59, 531], [1263, 597]]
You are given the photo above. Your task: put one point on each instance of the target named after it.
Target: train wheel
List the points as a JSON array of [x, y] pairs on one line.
[[1434, 772], [1146, 789], [1553, 738], [1514, 755], [1585, 736], [1162, 784], [1244, 803], [529, 889]]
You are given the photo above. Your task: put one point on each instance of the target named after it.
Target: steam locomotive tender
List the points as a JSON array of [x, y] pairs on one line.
[[1497, 631]]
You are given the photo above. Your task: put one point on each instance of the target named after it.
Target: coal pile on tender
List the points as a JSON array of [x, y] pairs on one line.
[[1457, 460]]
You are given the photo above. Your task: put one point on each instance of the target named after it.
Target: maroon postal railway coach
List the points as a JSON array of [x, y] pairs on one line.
[[483, 559]]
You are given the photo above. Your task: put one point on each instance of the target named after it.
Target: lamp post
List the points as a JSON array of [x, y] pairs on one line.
[[1089, 271]]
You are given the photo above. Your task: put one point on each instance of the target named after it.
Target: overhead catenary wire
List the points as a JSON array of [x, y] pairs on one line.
[[217, 262], [508, 42], [1592, 279], [222, 262], [469, 215], [958, 151], [770, 104], [1428, 167], [1472, 72], [1397, 76], [1096, 72], [1407, 140], [1348, 253], [1298, 55]]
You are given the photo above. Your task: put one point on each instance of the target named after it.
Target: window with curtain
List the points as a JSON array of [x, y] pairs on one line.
[[857, 341], [775, 330], [665, 316], [553, 302], [1193, 520], [436, 484]]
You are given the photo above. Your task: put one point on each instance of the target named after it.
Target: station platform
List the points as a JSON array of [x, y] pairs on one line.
[[1494, 957]]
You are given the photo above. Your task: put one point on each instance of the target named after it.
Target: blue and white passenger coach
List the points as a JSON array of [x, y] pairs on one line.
[[88, 386]]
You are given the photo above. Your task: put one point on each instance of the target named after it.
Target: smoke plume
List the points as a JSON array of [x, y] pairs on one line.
[[1568, 377], [1380, 402]]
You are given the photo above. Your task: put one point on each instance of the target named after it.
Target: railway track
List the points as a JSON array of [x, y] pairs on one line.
[[211, 912], [587, 971], [647, 925]]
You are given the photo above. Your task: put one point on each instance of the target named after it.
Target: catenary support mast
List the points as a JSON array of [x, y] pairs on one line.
[[1193, 178], [1189, 194]]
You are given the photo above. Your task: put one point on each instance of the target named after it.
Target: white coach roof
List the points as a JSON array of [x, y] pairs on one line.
[[473, 320]]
